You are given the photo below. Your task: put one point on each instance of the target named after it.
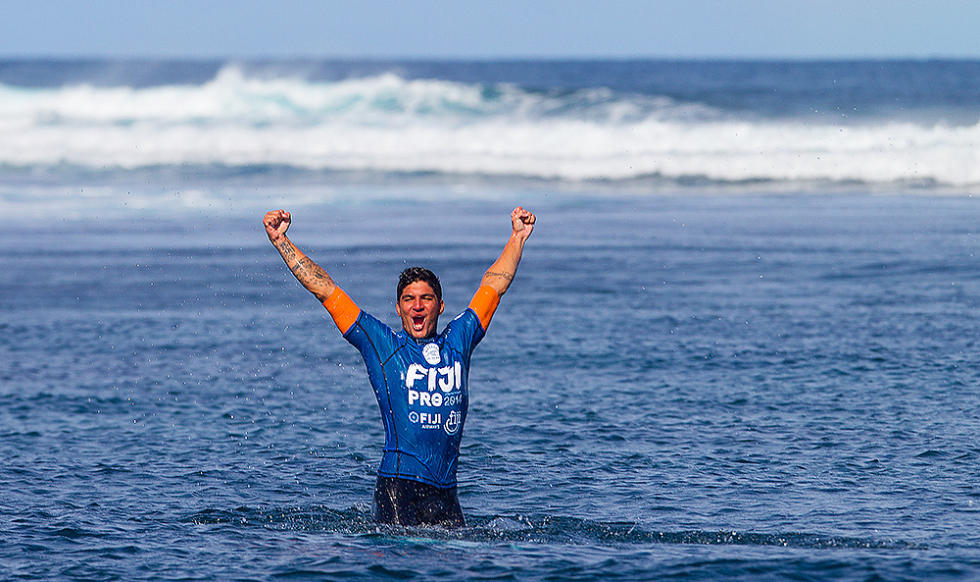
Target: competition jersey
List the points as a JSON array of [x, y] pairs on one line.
[[421, 385]]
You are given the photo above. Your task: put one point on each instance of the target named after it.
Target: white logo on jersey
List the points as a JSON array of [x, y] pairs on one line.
[[425, 419], [453, 422], [446, 378], [431, 354], [440, 386]]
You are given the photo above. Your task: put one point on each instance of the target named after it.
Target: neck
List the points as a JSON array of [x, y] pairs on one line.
[[421, 340]]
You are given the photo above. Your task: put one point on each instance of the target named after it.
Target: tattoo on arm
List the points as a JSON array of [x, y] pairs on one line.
[[507, 276], [306, 268], [310, 274], [286, 249]]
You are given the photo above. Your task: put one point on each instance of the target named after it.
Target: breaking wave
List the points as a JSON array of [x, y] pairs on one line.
[[390, 124]]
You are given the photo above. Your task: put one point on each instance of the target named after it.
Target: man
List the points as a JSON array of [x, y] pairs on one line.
[[419, 377]]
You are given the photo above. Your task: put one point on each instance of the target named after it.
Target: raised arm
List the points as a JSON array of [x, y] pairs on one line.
[[501, 272], [310, 274]]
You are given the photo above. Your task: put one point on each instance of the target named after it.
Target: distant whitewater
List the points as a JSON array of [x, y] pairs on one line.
[[879, 125]]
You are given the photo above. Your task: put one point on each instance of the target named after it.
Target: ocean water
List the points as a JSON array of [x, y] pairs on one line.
[[742, 343]]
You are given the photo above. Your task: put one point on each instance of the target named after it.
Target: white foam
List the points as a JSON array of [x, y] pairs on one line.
[[386, 123]]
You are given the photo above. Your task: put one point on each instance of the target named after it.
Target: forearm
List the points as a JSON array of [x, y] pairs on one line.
[[308, 273], [501, 273]]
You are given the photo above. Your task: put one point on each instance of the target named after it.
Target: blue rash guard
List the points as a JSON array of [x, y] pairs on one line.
[[421, 386]]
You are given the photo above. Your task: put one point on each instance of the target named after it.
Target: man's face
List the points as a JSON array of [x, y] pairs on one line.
[[419, 309]]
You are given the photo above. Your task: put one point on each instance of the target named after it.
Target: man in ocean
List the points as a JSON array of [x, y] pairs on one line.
[[419, 377]]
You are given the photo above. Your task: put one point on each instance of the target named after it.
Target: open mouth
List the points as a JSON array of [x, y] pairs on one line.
[[418, 322]]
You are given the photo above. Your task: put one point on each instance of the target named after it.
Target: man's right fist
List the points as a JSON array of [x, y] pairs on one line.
[[276, 223]]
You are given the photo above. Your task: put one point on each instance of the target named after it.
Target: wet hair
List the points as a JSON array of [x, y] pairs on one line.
[[413, 274]]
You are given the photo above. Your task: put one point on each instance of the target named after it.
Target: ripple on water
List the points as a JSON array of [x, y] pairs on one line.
[[546, 530]]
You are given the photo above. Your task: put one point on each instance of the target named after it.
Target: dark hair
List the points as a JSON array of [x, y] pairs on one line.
[[413, 274]]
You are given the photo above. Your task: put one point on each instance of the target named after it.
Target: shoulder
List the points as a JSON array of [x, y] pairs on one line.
[[369, 327], [466, 317], [465, 325]]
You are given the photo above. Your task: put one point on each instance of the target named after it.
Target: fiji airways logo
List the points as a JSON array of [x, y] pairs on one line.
[[426, 419]]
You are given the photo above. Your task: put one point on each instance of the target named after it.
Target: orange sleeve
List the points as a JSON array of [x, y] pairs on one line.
[[484, 303], [342, 309]]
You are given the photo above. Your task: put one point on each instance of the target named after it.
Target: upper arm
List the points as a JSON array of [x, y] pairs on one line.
[[342, 309], [484, 303]]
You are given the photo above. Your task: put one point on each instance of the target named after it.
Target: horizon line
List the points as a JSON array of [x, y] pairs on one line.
[[484, 58]]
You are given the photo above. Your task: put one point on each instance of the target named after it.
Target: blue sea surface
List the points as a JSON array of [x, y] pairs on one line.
[[694, 377], [701, 387]]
